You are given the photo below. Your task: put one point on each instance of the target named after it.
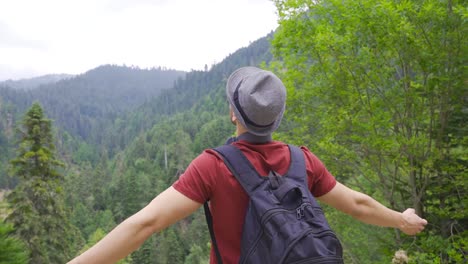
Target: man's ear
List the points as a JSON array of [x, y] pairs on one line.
[[232, 116]]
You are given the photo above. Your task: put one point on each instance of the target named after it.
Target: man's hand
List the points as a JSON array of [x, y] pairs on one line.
[[412, 223]]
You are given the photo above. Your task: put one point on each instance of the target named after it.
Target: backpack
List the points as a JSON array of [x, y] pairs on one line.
[[283, 223]]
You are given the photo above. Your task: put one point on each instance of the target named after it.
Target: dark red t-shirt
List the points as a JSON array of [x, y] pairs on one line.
[[207, 178]]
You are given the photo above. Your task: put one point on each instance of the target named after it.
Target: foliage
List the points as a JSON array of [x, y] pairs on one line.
[[376, 89], [12, 250], [38, 212], [86, 104], [196, 256], [361, 244], [7, 124]]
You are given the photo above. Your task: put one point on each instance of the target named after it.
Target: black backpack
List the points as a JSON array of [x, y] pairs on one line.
[[284, 223]]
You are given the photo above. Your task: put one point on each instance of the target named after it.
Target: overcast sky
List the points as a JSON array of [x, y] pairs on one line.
[[40, 37]]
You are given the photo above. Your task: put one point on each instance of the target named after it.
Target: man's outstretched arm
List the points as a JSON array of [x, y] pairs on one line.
[[166, 209], [368, 210]]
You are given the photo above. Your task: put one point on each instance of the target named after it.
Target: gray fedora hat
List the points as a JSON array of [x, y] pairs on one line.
[[258, 99]]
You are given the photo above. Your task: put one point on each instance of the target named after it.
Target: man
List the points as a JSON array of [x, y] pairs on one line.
[[257, 102]]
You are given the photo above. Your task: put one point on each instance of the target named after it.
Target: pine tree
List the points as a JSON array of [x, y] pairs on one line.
[[12, 250], [37, 203]]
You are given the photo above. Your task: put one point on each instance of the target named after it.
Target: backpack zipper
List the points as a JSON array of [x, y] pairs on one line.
[[328, 260], [300, 211]]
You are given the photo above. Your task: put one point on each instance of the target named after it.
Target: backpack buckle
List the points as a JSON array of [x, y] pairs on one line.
[[275, 180]]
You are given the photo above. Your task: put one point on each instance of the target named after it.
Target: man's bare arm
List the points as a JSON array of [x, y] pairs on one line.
[[368, 210], [166, 209]]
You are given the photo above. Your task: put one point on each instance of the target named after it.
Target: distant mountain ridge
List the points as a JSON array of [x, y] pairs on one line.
[[35, 82], [92, 100]]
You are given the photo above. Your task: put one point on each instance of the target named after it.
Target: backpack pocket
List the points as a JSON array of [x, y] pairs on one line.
[[294, 235], [314, 247]]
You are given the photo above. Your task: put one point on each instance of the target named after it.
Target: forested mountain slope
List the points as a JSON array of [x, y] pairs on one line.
[[203, 90], [81, 107], [88, 102]]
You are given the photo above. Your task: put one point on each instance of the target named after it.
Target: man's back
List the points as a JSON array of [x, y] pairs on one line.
[[208, 178]]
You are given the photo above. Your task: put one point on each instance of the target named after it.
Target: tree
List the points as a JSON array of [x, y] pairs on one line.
[[146, 254], [12, 250], [376, 88], [170, 247], [196, 256], [37, 203]]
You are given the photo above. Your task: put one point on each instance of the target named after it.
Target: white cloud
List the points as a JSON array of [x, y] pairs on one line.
[[54, 36]]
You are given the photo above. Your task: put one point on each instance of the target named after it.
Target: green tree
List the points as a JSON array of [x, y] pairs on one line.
[[213, 133], [37, 203], [197, 238], [170, 247], [376, 88], [146, 253], [12, 250], [196, 256]]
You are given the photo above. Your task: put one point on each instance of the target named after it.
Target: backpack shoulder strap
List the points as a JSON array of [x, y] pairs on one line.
[[245, 174], [297, 167], [240, 167]]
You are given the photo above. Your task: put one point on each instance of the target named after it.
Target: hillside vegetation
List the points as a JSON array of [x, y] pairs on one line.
[[375, 89]]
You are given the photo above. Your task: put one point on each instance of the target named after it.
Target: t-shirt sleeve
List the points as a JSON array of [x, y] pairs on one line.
[[198, 180], [320, 180]]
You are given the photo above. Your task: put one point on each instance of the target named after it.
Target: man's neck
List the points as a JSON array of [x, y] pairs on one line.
[[240, 130], [243, 133]]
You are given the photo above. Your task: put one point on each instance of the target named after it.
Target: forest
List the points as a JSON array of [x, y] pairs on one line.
[[376, 89]]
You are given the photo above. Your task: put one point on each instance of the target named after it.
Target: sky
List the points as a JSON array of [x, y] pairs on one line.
[[74, 36]]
